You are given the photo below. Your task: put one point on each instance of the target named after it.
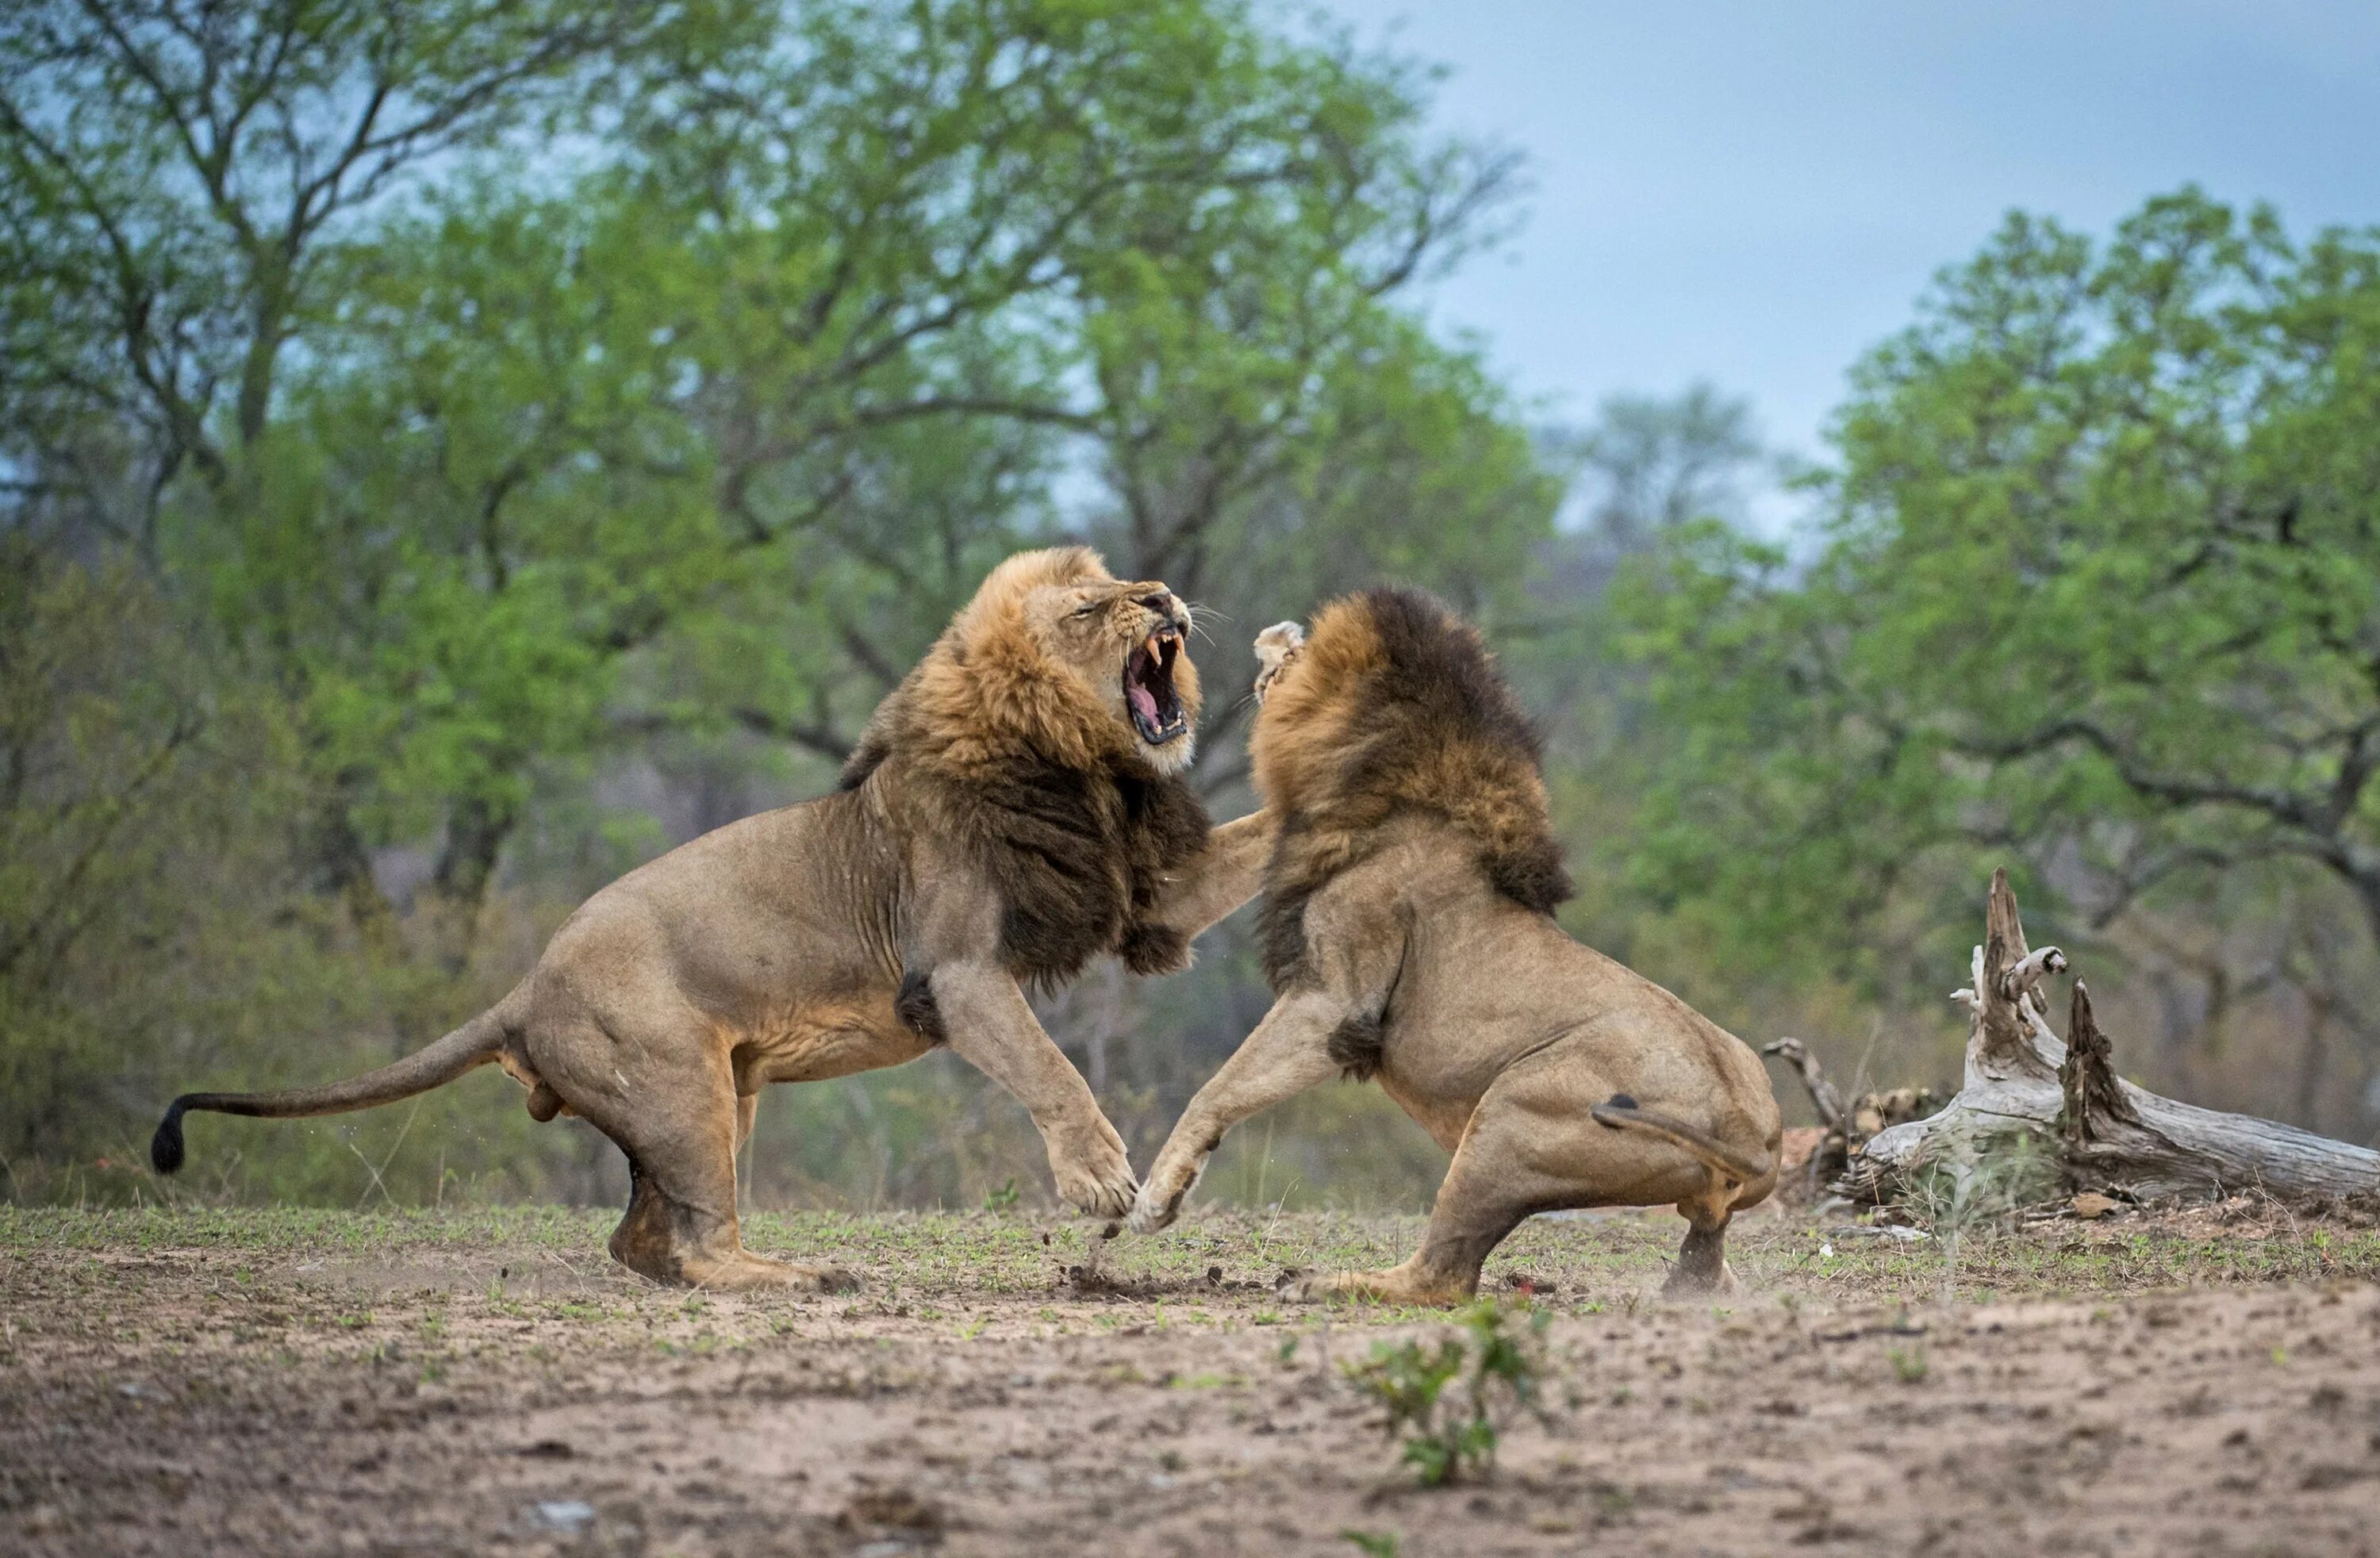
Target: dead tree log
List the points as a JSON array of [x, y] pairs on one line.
[[2028, 1093], [1815, 1161]]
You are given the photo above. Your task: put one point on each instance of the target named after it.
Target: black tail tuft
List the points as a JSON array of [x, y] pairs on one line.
[[165, 1146]]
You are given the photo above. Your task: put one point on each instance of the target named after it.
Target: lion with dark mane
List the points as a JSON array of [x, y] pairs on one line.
[[1014, 808], [1408, 936]]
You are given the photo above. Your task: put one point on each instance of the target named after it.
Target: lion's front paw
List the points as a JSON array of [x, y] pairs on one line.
[[1160, 1200], [1094, 1173], [1153, 1211], [1150, 1215], [1276, 647], [1099, 1192]]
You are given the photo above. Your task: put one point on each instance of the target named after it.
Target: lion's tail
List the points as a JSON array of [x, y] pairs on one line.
[[1623, 1113], [473, 1044]]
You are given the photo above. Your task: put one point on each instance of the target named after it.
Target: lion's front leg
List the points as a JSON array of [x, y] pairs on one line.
[[993, 1027], [1221, 877], [1288, 1052]]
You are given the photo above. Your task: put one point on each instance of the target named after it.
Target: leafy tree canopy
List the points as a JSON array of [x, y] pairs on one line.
[[2098, 590], [508, 382]]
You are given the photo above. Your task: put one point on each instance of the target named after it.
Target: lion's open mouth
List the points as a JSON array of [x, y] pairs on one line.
[[1149, 688]]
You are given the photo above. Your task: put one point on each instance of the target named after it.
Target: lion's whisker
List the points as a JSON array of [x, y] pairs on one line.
[[1199, 616]]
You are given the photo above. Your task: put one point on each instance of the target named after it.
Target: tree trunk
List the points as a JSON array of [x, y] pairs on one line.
[[476, 830], [2027, 1090]]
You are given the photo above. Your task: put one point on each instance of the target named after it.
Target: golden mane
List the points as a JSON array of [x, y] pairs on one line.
[[988, 688], [1020, 761], [1395, 707]]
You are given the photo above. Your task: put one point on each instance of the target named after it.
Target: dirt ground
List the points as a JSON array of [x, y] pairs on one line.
[[303, 1383]]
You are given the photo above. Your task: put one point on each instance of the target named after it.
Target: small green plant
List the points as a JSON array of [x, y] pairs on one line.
[[1373, 1544], [1004, 1198], [1496, 1367], [1908, 1363]]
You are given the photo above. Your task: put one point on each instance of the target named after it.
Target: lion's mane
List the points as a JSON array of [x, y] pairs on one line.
[[1000, 749], [1397, 709]]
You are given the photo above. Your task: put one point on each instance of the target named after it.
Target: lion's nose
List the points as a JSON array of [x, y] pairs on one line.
[[1162, 603]]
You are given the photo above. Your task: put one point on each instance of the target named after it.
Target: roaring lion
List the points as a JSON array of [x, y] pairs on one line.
[[1014, 808], [1408, 932]]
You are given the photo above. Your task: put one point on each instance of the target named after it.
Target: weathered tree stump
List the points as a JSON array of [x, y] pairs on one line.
[[2031, 1098]]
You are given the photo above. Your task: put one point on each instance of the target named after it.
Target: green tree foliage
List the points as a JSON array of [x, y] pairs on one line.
[[2097, 593], [176, 178], [817, 279], [1642, 468]]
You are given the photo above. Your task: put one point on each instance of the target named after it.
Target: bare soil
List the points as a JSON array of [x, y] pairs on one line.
[[265, 1383]]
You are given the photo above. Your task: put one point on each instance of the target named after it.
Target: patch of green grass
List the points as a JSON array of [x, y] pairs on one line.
[[1604, 1262]]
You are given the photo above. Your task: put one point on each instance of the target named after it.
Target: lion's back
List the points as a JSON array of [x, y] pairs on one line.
[[746, 918]]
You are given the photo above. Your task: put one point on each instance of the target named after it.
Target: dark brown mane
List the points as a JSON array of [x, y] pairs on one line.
[[1076, 855], [1396, 707]]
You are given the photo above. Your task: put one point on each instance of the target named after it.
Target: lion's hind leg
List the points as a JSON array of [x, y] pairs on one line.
[[680, 1121], [1490, 1186], [1481, 1201], [1532, 1145], [1733, 1177], [1702, 1267], [681, 1225]]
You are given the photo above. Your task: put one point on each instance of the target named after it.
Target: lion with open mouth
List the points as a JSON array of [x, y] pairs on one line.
[[1408, 933], [1014, 808]]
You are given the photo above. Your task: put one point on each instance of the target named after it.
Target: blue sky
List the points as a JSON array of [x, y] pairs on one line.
[[1753, 193]]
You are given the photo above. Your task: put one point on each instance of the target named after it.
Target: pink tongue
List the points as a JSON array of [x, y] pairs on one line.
[[1144, 702]]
